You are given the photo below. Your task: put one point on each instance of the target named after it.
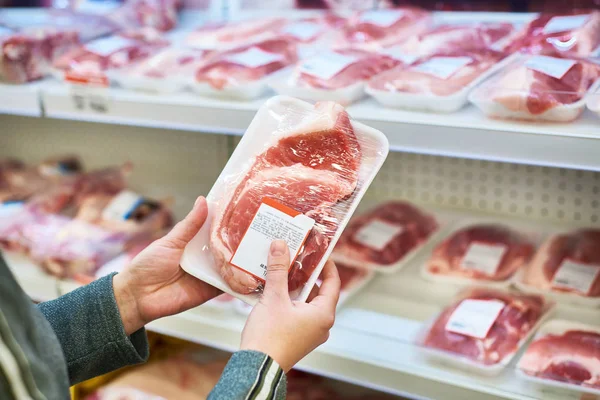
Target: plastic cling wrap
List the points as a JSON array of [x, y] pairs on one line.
[[298, 175], [484, 329], [382, 238], [564, 354], [538, 88]]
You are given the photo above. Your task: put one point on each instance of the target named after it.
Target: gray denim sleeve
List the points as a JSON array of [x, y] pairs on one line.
[[250, 375], [89, 328]]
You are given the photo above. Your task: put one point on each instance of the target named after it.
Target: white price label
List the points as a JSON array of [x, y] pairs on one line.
[[564, 24], [122, 205], [397, 53], [474, 318], [443, 67], [484, 257], [254, 58], [554, 67], [107, 46], [303, 30], [575, 276], [328, 65], [382, 18], [377, 234], [272, 221]]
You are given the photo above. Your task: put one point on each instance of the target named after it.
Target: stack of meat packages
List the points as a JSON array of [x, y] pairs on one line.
[[29, 48], [72, 222]]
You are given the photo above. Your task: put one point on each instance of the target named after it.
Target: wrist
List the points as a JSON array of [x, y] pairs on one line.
[[127, 304]]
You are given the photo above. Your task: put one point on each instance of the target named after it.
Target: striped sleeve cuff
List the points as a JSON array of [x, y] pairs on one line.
[[251, 375]]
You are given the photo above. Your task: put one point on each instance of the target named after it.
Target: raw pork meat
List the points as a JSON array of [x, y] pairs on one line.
[[450, 257], [514, 322], [573, 35], [310, 171], [376, 29], [175, 62], [442, 74], [456, 38], [158, 14], [245, 64], [364, 66], [521, 89], [235, 34], [581, 247], [414, 228], [572, 357]]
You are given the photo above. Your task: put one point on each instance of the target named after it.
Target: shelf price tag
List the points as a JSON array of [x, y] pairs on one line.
[[90, 99]]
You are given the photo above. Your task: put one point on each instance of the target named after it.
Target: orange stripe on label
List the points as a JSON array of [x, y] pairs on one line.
[[278, 206], [97, 80]]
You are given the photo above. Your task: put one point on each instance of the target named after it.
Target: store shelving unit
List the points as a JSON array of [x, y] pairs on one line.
[[21, 99]]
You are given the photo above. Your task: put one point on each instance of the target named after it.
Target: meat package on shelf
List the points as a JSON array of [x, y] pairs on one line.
[[72, 222], [297, 174], [333, 75], [566, 267], [386, 237], [538, 87], [484, 329], [242, 73], [481, 252], [564, 354]]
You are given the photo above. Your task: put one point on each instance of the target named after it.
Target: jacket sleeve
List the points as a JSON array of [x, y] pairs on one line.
[[89, 328], [250, 375]]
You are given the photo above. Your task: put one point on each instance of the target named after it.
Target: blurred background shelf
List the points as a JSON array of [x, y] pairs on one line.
[[21, 99]]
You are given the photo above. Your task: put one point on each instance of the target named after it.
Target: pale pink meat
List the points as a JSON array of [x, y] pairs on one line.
[[311, 171], [447, 257], [171, 62], [517, 318], [235, 34], [572, 357]]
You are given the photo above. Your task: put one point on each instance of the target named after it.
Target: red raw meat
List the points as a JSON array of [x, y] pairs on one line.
[[579, 42], [235, 33], [518, 317], [519, 88], [572, 357], [582, 246], [350, 277], [370, 35], [365, 67], [310, 171], [456, 38], [221, 72], [448, 256], [409, 79], [417, 227]]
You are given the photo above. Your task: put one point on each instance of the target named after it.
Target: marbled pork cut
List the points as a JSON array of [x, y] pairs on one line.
[[309, 170], [572, 357], [515, 321]]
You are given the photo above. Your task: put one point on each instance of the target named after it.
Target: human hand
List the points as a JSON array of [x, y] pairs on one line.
[[154, 285], [284, 329]]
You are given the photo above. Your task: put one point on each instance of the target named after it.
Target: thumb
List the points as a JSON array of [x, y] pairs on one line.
[[277, 269], [186, 229]]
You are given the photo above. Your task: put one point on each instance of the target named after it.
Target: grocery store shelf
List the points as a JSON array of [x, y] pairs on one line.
[[20, 99], [372, 343]]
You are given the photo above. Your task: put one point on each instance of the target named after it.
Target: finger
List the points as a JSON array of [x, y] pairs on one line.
[[186, 229], [329, 292], [277, 269]]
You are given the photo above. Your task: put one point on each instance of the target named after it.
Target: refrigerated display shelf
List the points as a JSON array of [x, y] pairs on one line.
[[21, 99], [372, 342]]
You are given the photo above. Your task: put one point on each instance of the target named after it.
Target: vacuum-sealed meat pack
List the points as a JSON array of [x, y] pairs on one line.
[[483, 330], [297, 174]]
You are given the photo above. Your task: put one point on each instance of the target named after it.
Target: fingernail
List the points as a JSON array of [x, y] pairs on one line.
[[278, 247]]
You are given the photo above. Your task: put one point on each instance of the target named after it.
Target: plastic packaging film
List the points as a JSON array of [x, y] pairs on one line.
[[297, 174]]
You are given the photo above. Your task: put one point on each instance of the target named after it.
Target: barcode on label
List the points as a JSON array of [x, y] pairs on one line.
[[576, 276]]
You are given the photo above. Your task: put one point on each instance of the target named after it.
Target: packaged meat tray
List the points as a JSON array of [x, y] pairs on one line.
[[537, 88], [486, 253], [593, 102], [243, 73], [338, 76], [564, 354], [168, 71], [439, 83], [566, 267], [575, 35], [297, 174], [91, 61], [376, 29], [386, 237], [484, 329]]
